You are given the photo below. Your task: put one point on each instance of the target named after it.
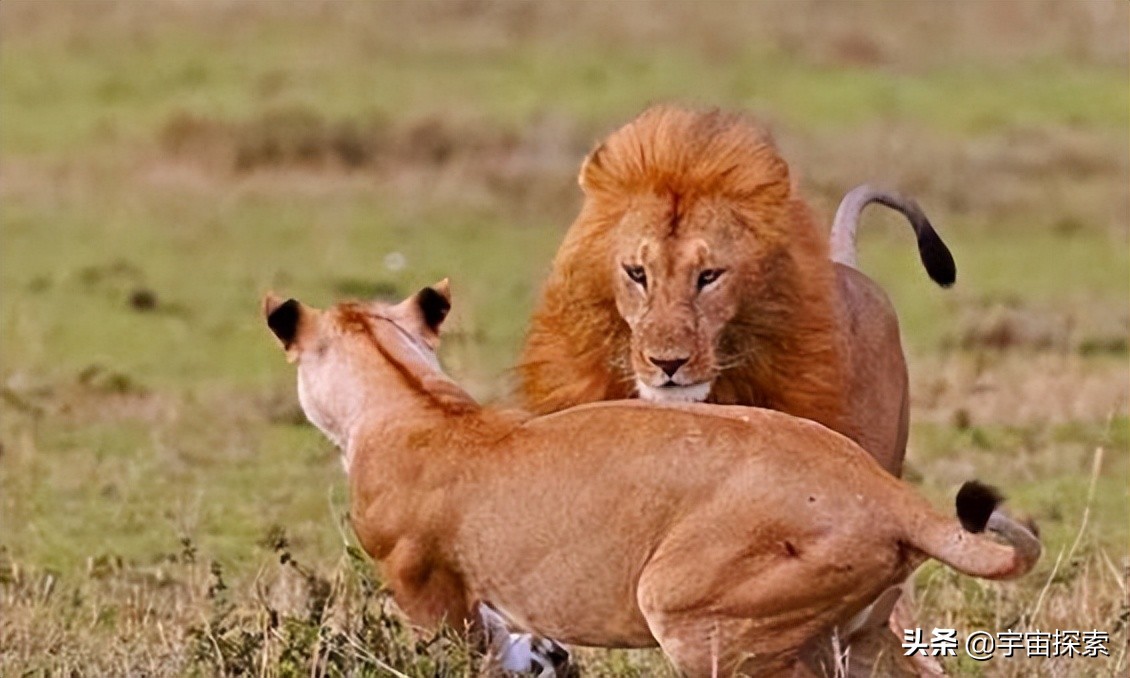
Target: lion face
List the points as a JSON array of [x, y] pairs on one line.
[[679, 272]]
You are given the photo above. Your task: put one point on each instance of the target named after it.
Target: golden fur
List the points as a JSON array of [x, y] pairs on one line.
[[731, 537], [676, 194]]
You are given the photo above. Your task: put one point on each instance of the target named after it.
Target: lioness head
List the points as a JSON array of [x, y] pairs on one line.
[[332, 347], [697, 214]]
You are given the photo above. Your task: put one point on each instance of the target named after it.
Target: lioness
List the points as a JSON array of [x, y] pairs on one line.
[[694, 272], [730, 537]]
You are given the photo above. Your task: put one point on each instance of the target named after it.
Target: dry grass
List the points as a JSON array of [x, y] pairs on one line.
[[178, 616]]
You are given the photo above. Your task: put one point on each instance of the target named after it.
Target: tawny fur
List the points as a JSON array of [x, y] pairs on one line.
[[730, 537], [785, 327]]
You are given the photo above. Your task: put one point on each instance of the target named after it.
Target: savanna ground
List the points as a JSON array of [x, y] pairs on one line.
[[164, 510]]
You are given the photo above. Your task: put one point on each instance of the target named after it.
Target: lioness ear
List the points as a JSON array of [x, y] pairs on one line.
[[434, 303], [283, 318]]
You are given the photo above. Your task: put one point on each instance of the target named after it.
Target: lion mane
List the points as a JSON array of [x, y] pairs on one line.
[[780, 348]]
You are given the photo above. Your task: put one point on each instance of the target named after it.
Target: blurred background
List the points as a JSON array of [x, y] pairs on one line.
[[162, 164]]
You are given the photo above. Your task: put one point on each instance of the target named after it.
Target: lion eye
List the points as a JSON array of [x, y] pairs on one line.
[[637, 275], [708, 276]]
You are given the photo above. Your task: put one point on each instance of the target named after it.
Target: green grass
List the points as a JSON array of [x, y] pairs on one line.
[[67, 94], [68, 309], [1048, 273], [146, 453]]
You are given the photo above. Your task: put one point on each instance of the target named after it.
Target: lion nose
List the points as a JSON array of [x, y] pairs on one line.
[[669, 367]]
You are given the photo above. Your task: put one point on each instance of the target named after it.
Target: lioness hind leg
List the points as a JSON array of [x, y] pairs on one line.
[[700, 642], [872, 653], [711, 647], [904, 617], [744, 623]]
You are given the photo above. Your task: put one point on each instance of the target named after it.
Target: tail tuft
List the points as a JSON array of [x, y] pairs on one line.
[[936, 257], [976, 502]]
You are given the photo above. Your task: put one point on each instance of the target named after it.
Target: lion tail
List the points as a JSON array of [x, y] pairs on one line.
[[965, 548], [935, 255]]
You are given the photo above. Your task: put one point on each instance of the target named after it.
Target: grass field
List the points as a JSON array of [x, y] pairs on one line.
[[165, 510]]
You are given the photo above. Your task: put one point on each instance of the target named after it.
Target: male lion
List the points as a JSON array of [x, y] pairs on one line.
[[695, 272]]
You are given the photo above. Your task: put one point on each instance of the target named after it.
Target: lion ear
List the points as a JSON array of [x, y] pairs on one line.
[[591, 166]]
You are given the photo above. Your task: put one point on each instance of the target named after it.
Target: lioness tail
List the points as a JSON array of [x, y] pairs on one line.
[[965, 549], [935, 255]]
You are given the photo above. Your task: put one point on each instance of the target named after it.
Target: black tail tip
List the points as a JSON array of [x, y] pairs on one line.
[[975, 502], [936, 258]]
